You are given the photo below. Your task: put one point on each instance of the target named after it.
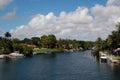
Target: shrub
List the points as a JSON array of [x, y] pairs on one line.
[[27, 51]]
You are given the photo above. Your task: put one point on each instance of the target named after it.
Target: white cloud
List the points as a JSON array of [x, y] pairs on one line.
[[10, 15], [117, 20], [113, 3], [4, 3], [106, 17], [1, 32], [102, 13], [62, 26], [79, 24]]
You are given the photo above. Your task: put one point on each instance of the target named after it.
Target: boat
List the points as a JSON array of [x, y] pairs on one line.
[[2, 56], [15, 54], [103, 57]]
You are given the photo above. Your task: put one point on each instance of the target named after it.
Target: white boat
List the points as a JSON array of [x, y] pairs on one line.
[[2, 56], [16, 54], [103, 57]]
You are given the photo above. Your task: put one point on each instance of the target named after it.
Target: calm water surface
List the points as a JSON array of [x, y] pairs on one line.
[[69, 66]]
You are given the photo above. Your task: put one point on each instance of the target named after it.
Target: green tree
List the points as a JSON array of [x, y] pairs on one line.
[[16, 40], [62, 43], [52, 41], [35, 40], [44, 41], [27, 51], [6, 46], [18, 47], [109, 41], [7, 35], [48, 41], [26, 40], [115, 37], [98, 44]]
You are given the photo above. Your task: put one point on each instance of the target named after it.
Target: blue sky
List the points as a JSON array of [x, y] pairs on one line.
[[27, 8], [17, 13]]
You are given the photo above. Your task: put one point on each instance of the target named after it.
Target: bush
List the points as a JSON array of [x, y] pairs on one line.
[[27, 51], [18, 47]]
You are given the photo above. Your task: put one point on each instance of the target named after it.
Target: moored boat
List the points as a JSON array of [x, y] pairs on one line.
[[2, 56]]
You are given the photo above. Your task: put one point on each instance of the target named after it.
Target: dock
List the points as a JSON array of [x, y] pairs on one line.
[[107, 58], [112, 59]]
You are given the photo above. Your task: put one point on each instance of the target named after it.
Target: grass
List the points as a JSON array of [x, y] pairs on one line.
[[117, 57], [44, 50]]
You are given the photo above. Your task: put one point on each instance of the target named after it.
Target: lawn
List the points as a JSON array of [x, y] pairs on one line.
[[117, 57], [44, 50]]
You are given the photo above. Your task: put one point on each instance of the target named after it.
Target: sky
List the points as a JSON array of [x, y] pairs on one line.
[[67, 19]]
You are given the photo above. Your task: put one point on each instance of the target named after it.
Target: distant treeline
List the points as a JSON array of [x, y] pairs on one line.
[[50, 41], [25, 46]]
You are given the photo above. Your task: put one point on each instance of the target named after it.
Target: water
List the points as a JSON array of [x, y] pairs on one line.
[[69, 66]]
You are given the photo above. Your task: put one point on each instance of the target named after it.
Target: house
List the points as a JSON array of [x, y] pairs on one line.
[[31, 45]]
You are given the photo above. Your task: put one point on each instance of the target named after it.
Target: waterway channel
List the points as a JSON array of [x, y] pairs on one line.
[[78, 65]]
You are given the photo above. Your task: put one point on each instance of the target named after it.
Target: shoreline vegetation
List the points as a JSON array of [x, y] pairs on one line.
[[110, 47], [45, 44]]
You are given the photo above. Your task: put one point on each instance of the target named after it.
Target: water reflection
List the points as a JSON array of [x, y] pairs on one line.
[[52, 55]]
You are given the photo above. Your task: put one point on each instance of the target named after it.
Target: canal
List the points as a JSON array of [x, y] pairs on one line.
[[60, 66]]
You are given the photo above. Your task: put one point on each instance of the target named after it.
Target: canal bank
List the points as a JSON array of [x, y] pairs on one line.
[[106, 57]]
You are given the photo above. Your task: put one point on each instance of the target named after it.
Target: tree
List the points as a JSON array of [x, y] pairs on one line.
[[6, 46], [48, 41], [88, 45], [98, 44], [115, 36], [27, 51], [62, 43], [26, 40], [7, 35], [109, 41], [35, 40], [18, 47], [44, 41], [52, 41], [112, 42], [16, 40]]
